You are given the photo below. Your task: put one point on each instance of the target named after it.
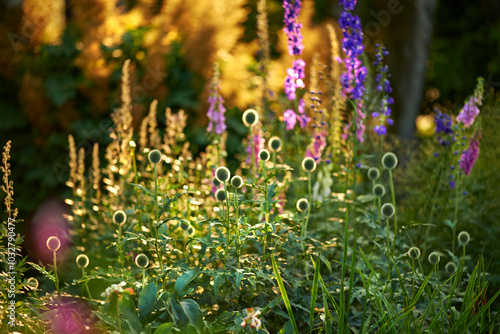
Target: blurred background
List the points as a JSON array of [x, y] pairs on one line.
[[60, 67]]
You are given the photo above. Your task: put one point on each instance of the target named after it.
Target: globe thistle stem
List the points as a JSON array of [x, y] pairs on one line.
[[228, 223], [393, 196]]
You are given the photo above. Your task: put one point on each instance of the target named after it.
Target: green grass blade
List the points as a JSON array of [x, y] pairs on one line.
[[314, 292], [284, 295]]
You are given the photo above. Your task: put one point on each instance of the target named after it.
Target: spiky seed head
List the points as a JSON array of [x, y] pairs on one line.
[[220, 195], [378, 190], [222, 174], [434, 258], [216, 182], [450, 268], [32, 283], [274, 144], [302, 204], [132, 144], [53, 243], [119, 217], [154, 156], [308, 164], [389, 160], [82, 261], [142, 260], [237, 181], [463, 238], [414, 253], [373, 173], [250, 117], [387, 210], [264, 155]]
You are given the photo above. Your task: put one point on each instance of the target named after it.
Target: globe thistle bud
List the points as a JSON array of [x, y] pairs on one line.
[[389, 160], [119, 217], [53, 243], [373, 173], [378, 190], [308, 164], [302, 204], [184, 226], [142, 260], [463, 238], [220, 195], [274, 144], [222, 174], [434, 258], [414, 253], [32, 283], [216, 182], [237, 181], [264, 155], [154, 157], [190, 231], [132, 144], [82, 261], [387, 210], [450, 268], [250, 117]]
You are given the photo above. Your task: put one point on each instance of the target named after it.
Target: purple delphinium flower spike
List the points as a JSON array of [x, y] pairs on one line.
[[352, 80], [216, 109], [295, 74], [382, 86]]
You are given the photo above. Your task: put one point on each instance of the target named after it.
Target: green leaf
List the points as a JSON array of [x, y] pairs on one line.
[[165, 328], [178, 313], [193, 313], [43, 271], [284, 295], [147, 300], [146, 191], [129, 314], [314, 292], [184, 280]]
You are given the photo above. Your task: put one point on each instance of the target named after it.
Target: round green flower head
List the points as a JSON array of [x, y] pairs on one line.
[[237, 181], [250, 117], [308, 164], [450, 268], [32, 283], [53, 243], [119, 217], [389, 160], [154, 156], [191, 231], [216, 182], [434, 258], [220, 195], [373, 173], [142, 260], [222, 174], [82, 261], [274, 144], [463, 238], [264, 155], [387, 210], [302, 204], [378, 190], [414, 253], [184, 226]]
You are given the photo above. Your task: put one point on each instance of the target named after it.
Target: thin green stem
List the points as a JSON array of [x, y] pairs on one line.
[[395, 211], [55, 273], [237, 225], [455, 222], [86, 285], [118, 317], [228, 223]]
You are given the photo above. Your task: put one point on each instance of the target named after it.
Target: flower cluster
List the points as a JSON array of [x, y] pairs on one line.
[[117, 288], [470, 109], [292, 26], [291, 118], [295, 74], [470, 155], [216, 107], [251, 319], [444, 129], [352, 80], [383, 86]]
